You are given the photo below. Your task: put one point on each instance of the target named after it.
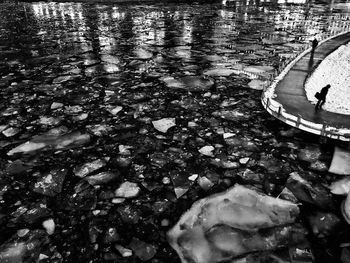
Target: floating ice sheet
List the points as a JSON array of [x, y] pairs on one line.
[[233, 223], [340, 162], [164, 124]]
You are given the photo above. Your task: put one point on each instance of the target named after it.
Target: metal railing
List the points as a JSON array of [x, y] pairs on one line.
[[277, 110]]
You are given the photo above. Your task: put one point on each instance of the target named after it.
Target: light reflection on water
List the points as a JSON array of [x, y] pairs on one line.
[[184, 32]]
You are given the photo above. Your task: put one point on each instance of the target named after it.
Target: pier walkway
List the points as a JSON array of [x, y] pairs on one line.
[[288, 102]]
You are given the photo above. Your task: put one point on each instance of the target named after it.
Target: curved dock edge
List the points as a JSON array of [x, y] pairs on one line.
[[277, 110]]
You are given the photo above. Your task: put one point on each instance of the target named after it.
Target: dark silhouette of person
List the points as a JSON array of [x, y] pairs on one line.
[[322, 96], [314, 45], [311, 63]]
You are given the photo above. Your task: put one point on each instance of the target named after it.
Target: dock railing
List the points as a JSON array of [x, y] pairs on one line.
[[276, 109]]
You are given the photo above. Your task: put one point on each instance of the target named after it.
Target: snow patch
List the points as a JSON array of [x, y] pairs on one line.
[[333, 70]]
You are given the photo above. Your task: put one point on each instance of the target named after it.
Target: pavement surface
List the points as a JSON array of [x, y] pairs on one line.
[[291, 90]]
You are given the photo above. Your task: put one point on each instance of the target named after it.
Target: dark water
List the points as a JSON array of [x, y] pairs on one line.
[[83, 82]]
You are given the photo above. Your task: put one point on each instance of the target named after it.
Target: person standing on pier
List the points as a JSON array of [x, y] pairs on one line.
[[314, 45], [322, 96]]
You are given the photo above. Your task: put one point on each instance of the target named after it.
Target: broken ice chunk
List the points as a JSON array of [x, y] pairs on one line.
[[56, 105], [286, 194], [50, 184], [257, 84], [127, 190], [244, 160], [205, 183], [207, 150], [27, 147], [123, 251], [171, 82], [228, 135], [232, 223], [115, 110], [81, 117], [142, 54], [87, 168], [227, 242], [13, 252], [3, 127], [21, 249], [224, 72], [74, 138], [341, 187], [143, 250], [62, 79], [52, 140], [11, 132], [102, 178], [190, 83], [124, 149], [49, 120], [181, 182], [310, 192], [193, 177], [49, 225], [340, 162], [164, 124]]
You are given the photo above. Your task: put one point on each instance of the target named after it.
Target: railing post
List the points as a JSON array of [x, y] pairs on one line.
[[268, 103], [298, 121], [279, 111], [323, 131]]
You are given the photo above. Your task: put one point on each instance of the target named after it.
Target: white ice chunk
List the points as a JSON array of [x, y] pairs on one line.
[[340, 162], [143, 54], [14, 253], [226, 224], [115, 110], [257, 84], [49, 225], [56, 105], [164, 124], [127, 190], [27, 147], [224, 72], [207, 150], [341, 187]]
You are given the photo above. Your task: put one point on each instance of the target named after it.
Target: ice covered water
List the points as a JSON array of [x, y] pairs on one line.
[[148, 108]]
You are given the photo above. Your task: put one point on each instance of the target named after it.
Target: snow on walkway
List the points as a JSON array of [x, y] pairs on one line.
[[333, 70]]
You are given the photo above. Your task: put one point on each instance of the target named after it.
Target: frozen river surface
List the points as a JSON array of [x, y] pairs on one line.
[[115, 119]]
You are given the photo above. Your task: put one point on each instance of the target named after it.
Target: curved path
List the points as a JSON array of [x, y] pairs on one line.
[[290, 91]]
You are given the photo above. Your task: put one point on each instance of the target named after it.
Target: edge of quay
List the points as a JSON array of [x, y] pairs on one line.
[[277, 110]]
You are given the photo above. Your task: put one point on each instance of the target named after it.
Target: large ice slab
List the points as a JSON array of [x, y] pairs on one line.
[[234, 223]]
